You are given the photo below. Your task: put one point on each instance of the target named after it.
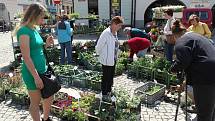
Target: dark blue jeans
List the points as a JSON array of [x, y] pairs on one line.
[[169, 49], [68, 47]]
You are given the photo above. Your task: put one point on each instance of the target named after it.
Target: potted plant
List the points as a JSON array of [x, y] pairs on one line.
[[119, 69], [79, 116], [67, 115], [92, 19], [150, 92], [96, 83], [74, 15]]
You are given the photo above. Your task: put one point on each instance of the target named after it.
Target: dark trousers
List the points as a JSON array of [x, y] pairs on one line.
[[71, 38], [68, 47], [204, 96], [107, 78], [169, 49]]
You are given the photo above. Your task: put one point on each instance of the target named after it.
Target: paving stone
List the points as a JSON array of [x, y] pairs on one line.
[[145, 112], [145, 119], [165, 117], [153, 119], [162, 110], [2, 119], [10, 117], [146, 116], [158, 117]]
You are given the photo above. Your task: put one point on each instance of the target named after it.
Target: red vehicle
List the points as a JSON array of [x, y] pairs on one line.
[[205, 15]]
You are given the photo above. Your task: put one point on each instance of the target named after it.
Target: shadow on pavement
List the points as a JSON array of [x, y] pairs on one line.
[[5, 68]]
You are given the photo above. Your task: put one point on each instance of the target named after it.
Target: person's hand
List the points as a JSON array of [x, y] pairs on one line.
[[39, 82], [49, 41], [180, 88]]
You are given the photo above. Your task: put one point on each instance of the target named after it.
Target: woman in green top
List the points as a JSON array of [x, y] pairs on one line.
[[34, 62]]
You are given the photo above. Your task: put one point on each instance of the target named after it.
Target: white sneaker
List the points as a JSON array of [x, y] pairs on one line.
[[113, 98]]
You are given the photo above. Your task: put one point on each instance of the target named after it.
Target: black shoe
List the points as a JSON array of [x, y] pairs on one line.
[[106, 98], [49, 119], [191, 109]]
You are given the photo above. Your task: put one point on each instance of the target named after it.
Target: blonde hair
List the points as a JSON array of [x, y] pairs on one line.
[[31, 16]]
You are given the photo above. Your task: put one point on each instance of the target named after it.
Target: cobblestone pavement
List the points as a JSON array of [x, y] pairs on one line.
[[12, 112], [9, 111], [6, 51]]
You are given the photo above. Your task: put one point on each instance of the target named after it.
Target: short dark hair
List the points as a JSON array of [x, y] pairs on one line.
[[178, 27], [117, 20], [65, 17], [125, 43], [169, 12]]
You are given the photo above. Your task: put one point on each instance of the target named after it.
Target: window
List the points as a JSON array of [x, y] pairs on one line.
[[203, 15], [93, 7], [115, 9], [67, 8]]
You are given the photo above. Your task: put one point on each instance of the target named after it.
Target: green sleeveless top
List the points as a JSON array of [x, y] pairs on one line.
[[36, 52]]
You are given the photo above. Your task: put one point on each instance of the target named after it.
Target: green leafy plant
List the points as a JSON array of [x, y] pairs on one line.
[[162, 64], [152, 90], [53, 54], [92, 16], [68, 113], [74, 15], [66, 70], [79, 116], [124, 100], [119, 69], [89, 60], [19, 15]]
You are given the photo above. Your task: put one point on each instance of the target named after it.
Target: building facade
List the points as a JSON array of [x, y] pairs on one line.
[[105, 9], [15, 7], [10, 9], [135, 12], [65, 7]]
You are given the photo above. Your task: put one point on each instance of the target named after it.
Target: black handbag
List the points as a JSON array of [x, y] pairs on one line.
[[50, 81]]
